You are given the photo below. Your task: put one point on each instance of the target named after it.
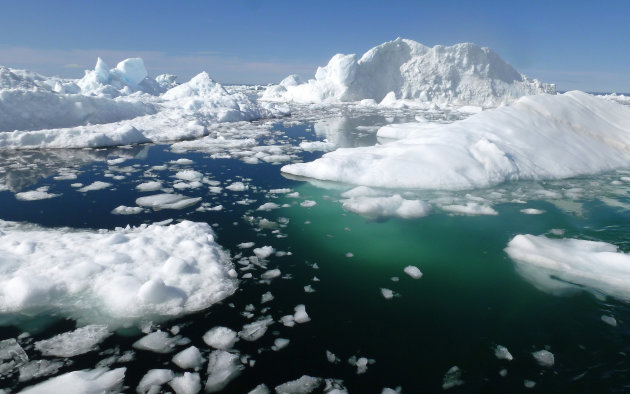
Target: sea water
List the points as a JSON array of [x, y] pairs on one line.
[[438, 332]]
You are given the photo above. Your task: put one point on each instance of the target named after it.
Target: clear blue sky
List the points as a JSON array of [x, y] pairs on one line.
[[576, 44]]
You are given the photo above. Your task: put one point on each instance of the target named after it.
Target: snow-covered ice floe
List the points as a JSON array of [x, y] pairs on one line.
[[462, 74], [113, 277], [568, 266], [536, 138], [119, 106]]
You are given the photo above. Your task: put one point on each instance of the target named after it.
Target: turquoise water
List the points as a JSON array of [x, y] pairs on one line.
[[469, 299]]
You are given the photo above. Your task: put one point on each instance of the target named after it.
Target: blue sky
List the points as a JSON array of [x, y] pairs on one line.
[[576, 44]]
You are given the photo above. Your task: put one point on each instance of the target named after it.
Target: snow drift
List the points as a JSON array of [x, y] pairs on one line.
[[569, 266], [462, 74], [112, 277], [537, 137]]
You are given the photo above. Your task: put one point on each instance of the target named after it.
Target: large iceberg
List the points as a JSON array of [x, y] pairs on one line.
[[119, 106], [537, 137], [112, 277], [462, 74]]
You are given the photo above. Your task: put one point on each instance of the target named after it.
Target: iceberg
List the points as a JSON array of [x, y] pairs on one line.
[[462, 74], [540, 137], [117, 277]]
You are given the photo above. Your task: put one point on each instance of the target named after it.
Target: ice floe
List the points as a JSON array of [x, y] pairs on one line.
[[223, 367], [99, 380], [221, 338], [535, 138], [116, 276], [70, 344]]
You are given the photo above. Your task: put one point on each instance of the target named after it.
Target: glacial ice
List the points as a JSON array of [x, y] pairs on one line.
[[535, 138], [462, 74], [113, 277]]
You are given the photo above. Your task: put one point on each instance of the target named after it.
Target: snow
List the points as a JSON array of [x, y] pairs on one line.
[[536, 138], [462, 74], [568, 266], [223, 367], [220, 338], [167, 201], [113, 277], [74, 343], [99, 380], [189, 358], [304, 385], [413, 271]]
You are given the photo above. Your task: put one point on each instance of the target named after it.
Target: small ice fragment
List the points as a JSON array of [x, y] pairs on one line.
[[223, 367], [125, 210], [153, 380], [387, 293], [97, 185], [280, 343], [530, 384], [266, 297], [98, 380], [268, 206], [452, 378], [38, 368], [503, 372], [158, 342], [610, 320], [532, 211], [254, 331], [502, 353], [220, 338], [300, 315], [362, 364], [349, 255], [237, 187], [413, 271], [274, 273], [309, 289], [150, 186], [304, 385], [287, 320], [189, 383], [260, 389], [189, 358], [264, 252], [246, 245], [544, 357], [332, 358], [308, 203]]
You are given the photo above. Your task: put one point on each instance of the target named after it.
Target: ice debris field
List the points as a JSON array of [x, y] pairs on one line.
[[335, 234]]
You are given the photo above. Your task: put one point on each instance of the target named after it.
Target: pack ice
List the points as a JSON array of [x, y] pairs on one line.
[[462, 74], [118, 106], [114, 277], [537, 137]]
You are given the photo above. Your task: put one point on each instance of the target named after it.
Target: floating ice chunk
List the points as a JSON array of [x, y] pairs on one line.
[[97, 185], [254, 331], [98, 380], [74, 343], [40, 193], [246, 245], [11, 355], [471, 208], [167, 201], [413, 271], [268, 206], [502, 353], [393, 206], [150, 186], [308, 203], [189, 175], [387, 293], [304, 385], [567, 266], [280, 343], [533, 211], [452, 378], [280, 191], [361, 363], [189, 358], [331, 357], [266, 297], [223, 367], [287, 320], [159, 342], [237, 187], [39, 368], [189, 383], [544, 357], [300, 315], [530, 384], [220, 338], [388, 390], [153, 380], [125, 210], [309, 289], [264, 252], [610, 320], [260, 389], [271, 274]]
